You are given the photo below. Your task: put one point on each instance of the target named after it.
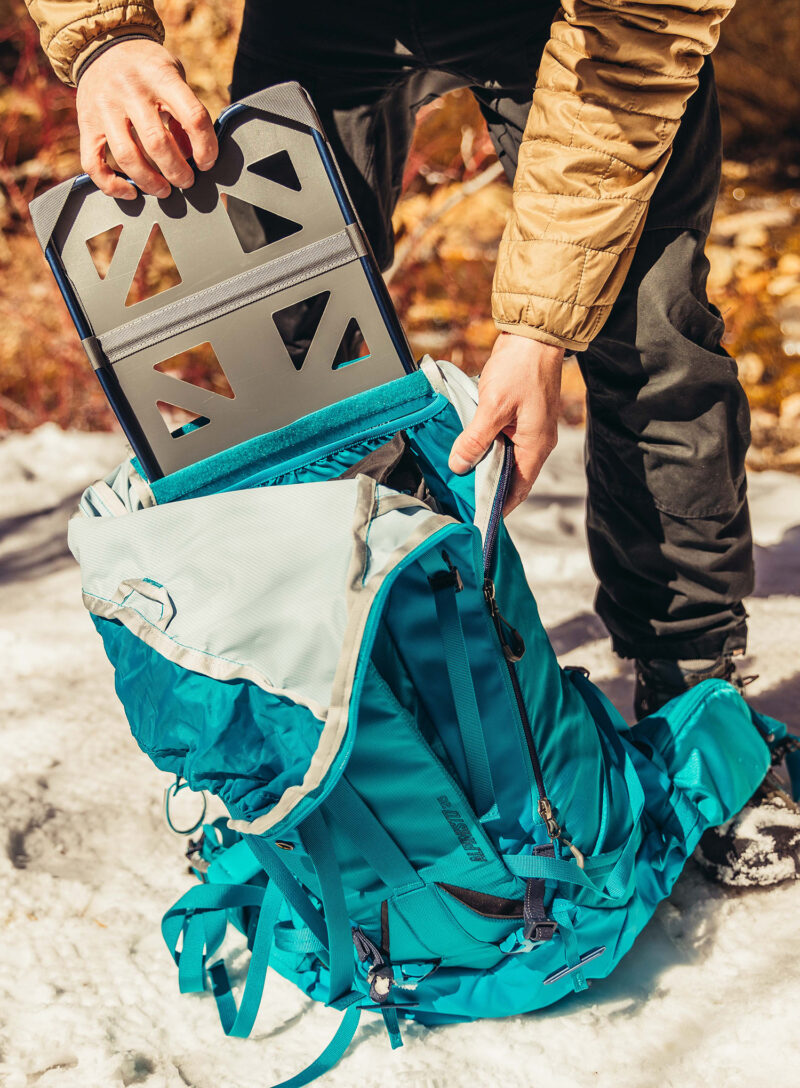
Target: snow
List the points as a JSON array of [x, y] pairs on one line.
[[88, 994]]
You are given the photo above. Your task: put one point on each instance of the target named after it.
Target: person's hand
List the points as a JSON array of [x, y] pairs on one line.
[[518, 395], [134, 101]]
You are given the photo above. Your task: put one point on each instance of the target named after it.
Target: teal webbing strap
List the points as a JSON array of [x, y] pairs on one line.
[[239, 1022], [568, 872], [390, 1019], [341, 965], [571, 951], [200, 916], [202, 935], [204, 903], [336, 938], [332, 1052], [235, 865], [446, 585], [302, 941], [293, 892], [347, 808]]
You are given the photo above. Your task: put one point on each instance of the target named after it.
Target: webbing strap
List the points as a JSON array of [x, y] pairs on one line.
[[293, 892], [332, 1052], [574, 968], [200, 916], [352, 814], [232, 294], [446, 585], [538, 926], [239, 1022], [531, 866], [341, 966]]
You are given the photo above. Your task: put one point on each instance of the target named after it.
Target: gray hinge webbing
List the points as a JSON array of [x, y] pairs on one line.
[[232, 294]]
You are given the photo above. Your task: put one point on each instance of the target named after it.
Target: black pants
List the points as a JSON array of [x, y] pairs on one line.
[[668, 428]]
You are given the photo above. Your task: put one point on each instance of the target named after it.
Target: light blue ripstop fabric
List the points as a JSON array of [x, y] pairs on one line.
[[404, 799]]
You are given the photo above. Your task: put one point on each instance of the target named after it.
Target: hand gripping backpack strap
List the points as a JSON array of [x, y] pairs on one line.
[[446, 584]]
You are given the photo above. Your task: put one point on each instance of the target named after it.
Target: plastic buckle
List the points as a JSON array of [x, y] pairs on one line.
[[446, 579], [543, 930]]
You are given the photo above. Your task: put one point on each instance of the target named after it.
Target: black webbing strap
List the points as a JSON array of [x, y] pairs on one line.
[[537, 925]]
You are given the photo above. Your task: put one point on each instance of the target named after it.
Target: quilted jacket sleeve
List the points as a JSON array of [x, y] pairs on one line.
[[71, 30], [613, 83]]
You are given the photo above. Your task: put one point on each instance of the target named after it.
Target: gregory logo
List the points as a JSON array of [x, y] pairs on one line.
[[463, 833]]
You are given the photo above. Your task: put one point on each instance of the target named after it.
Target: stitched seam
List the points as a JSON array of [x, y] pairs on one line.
[[560, 242], [183, 645], [580, 196], [586, 147], [549, 298], [140, 8], [347, 444], [632, 68]]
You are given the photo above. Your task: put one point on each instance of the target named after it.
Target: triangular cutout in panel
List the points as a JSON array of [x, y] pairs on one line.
[[352, 346], [180, 421], [156, 270], [278, 168], [102, 248], [255, 227], [199, 366], [298, 324]]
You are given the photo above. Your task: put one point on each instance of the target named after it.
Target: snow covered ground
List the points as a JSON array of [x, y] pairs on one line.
[[88, 994]]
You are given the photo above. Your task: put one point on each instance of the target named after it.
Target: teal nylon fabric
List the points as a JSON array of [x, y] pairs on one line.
[[376, 410], [275, 738], [392, 841]]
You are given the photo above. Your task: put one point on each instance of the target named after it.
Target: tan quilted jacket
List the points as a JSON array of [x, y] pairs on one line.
[[612, 86]]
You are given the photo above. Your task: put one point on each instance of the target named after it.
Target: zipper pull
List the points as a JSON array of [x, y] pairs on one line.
[[555, 833], [380, 976], [511, 641]]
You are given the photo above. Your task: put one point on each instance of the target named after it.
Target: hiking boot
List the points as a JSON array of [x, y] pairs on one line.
[[659, 680], [758, 847]]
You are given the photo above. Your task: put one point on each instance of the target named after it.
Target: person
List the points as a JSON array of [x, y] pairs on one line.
[[604, 115]]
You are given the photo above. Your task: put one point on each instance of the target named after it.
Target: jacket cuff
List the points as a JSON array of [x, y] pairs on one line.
[[96, 49], [112, 36], [545, 337]]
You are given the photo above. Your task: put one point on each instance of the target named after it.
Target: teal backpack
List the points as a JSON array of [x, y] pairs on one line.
[[429, 819]]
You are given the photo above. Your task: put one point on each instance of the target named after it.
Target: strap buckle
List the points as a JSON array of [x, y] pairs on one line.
[[446, 579], [542, 930]]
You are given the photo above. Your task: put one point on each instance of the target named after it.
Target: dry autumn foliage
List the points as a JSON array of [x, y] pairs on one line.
[[448, 222]]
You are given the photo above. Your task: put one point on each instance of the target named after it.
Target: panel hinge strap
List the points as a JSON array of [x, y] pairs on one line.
[[232, 294]]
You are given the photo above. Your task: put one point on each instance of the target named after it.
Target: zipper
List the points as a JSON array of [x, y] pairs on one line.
[[513, 647]]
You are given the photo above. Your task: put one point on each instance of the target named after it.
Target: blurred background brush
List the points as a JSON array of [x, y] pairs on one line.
[[448, 223]]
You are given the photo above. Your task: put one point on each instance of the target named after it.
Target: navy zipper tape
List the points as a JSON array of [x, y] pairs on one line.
[[495, 514], [492, 530]]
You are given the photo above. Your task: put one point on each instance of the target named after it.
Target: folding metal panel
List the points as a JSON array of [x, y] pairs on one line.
[[269, 227]]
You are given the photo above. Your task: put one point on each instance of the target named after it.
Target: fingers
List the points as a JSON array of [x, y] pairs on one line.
[[158, 143], [477, 436], [528, 462], [194, 119], [133, 102], [132, 162], [93, 162]]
